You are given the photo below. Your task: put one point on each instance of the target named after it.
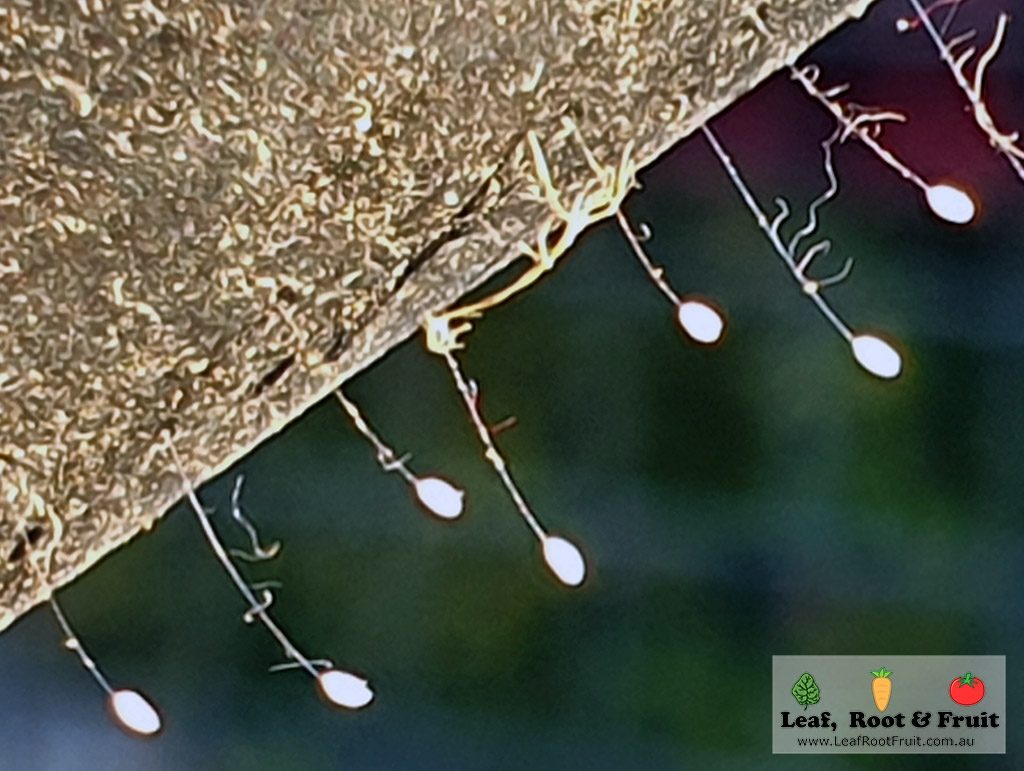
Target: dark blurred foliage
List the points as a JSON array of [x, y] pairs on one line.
[[762, 497]]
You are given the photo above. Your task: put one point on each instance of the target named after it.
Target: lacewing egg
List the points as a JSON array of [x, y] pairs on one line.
[[565, 560], [950, 203], [440, 497], [344, 689], [700, 321], [876, 356], [134, 712]]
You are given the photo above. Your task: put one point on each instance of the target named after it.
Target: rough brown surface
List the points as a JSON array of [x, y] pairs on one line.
[[214, 213]]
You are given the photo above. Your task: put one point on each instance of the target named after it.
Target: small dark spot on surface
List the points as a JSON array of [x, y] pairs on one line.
[[555, 235], [18, 551], [764, 14], [32, 535], [343, 169], [333, 352], [428, 251], [275, 374], [169, 425], [169, 40], [475, 202], [287, 295]]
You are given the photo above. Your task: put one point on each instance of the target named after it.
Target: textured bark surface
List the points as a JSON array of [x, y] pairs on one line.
[[215, 213]]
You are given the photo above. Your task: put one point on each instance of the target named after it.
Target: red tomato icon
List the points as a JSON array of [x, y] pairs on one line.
[[967, 690]]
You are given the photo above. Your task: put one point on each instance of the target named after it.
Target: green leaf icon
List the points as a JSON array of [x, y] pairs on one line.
[[806, 691]]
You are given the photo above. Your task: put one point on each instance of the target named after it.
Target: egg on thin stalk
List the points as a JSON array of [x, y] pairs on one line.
[[134, 713], [876, 356], [950, 203], [564, 560], [700, 321], [440, 497], [344, 689]]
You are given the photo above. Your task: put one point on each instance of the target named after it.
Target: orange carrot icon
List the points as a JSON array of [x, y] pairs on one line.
[[881, 688]]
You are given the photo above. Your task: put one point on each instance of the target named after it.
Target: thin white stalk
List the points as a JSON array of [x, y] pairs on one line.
[[562, 557], [73, 644], [356, 691], [1005, 143], [871, 352], [437, 495], [388, 459], [806, 77], [655, 272], [947, 201], [132, 711], [470, 396], [701, 321], [257, 607], [773, 236]]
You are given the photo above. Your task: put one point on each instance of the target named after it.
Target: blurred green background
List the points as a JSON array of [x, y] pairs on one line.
[[762, 497]]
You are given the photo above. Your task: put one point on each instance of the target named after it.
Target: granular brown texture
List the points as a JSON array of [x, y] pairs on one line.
[[214, 213]]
